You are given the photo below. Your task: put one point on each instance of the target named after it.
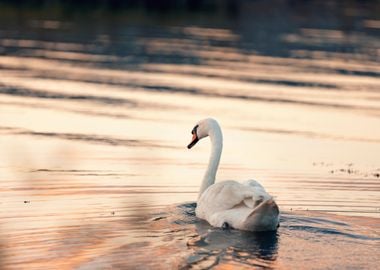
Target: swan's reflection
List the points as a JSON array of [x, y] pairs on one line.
[[219, 246]]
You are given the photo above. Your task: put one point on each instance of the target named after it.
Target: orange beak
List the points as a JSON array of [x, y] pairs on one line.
[[194, 140]]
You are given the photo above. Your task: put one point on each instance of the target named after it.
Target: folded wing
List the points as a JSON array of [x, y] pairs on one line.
[[231, 202]]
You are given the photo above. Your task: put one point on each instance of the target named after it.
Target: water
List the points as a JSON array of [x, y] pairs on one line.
[[96, 113]]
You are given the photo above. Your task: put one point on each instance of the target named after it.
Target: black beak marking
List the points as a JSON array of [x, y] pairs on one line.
[[195, 137], [195, 130]]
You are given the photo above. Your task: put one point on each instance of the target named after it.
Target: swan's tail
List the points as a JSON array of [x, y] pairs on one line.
[[265, 217]]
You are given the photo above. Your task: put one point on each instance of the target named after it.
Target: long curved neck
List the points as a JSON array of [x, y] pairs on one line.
[[216, 138]]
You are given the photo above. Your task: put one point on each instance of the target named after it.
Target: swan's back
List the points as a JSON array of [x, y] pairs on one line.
[[245, 206]]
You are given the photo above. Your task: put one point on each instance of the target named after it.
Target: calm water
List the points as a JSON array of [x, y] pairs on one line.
[[96, 113]]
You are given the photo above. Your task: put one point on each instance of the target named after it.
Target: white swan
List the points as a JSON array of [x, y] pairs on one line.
[[244, 206]]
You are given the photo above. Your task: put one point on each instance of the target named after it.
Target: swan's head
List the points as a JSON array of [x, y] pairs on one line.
[[203, 129]]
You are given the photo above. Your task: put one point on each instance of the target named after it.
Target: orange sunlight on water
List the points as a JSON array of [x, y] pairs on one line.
[[95, 142]]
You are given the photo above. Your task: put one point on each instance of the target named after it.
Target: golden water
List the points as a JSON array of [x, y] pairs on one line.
[[94, 127]]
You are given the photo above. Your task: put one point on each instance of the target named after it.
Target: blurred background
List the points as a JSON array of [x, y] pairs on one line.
[[98, 98]]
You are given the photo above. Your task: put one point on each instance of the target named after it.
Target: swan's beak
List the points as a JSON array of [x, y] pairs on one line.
[[194, 140]]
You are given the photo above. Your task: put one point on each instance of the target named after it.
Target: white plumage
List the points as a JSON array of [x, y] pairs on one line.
[[245, 205]]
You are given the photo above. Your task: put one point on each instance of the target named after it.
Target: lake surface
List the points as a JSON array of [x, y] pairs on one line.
[[96, 114]]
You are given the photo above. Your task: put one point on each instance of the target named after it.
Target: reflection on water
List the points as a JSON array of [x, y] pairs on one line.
[[215, 246], [95, 116], [243, 249], [302, 238]]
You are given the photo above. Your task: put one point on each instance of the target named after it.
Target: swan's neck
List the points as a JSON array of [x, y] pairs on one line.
[[216, 138]]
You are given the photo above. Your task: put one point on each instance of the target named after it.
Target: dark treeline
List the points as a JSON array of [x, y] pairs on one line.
[[153, 5], [161, 5]]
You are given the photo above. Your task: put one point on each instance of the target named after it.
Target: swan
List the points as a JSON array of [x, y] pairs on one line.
[[230, 204]]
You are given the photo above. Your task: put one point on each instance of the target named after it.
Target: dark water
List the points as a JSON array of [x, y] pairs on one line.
[[96, 110]]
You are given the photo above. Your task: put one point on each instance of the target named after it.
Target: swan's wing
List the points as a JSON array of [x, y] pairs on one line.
[[229, 194], [253, 183], [258, 194], [235, 216], [221, 196]]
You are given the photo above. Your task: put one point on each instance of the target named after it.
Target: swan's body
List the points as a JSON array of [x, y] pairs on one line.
[[245, 206]]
